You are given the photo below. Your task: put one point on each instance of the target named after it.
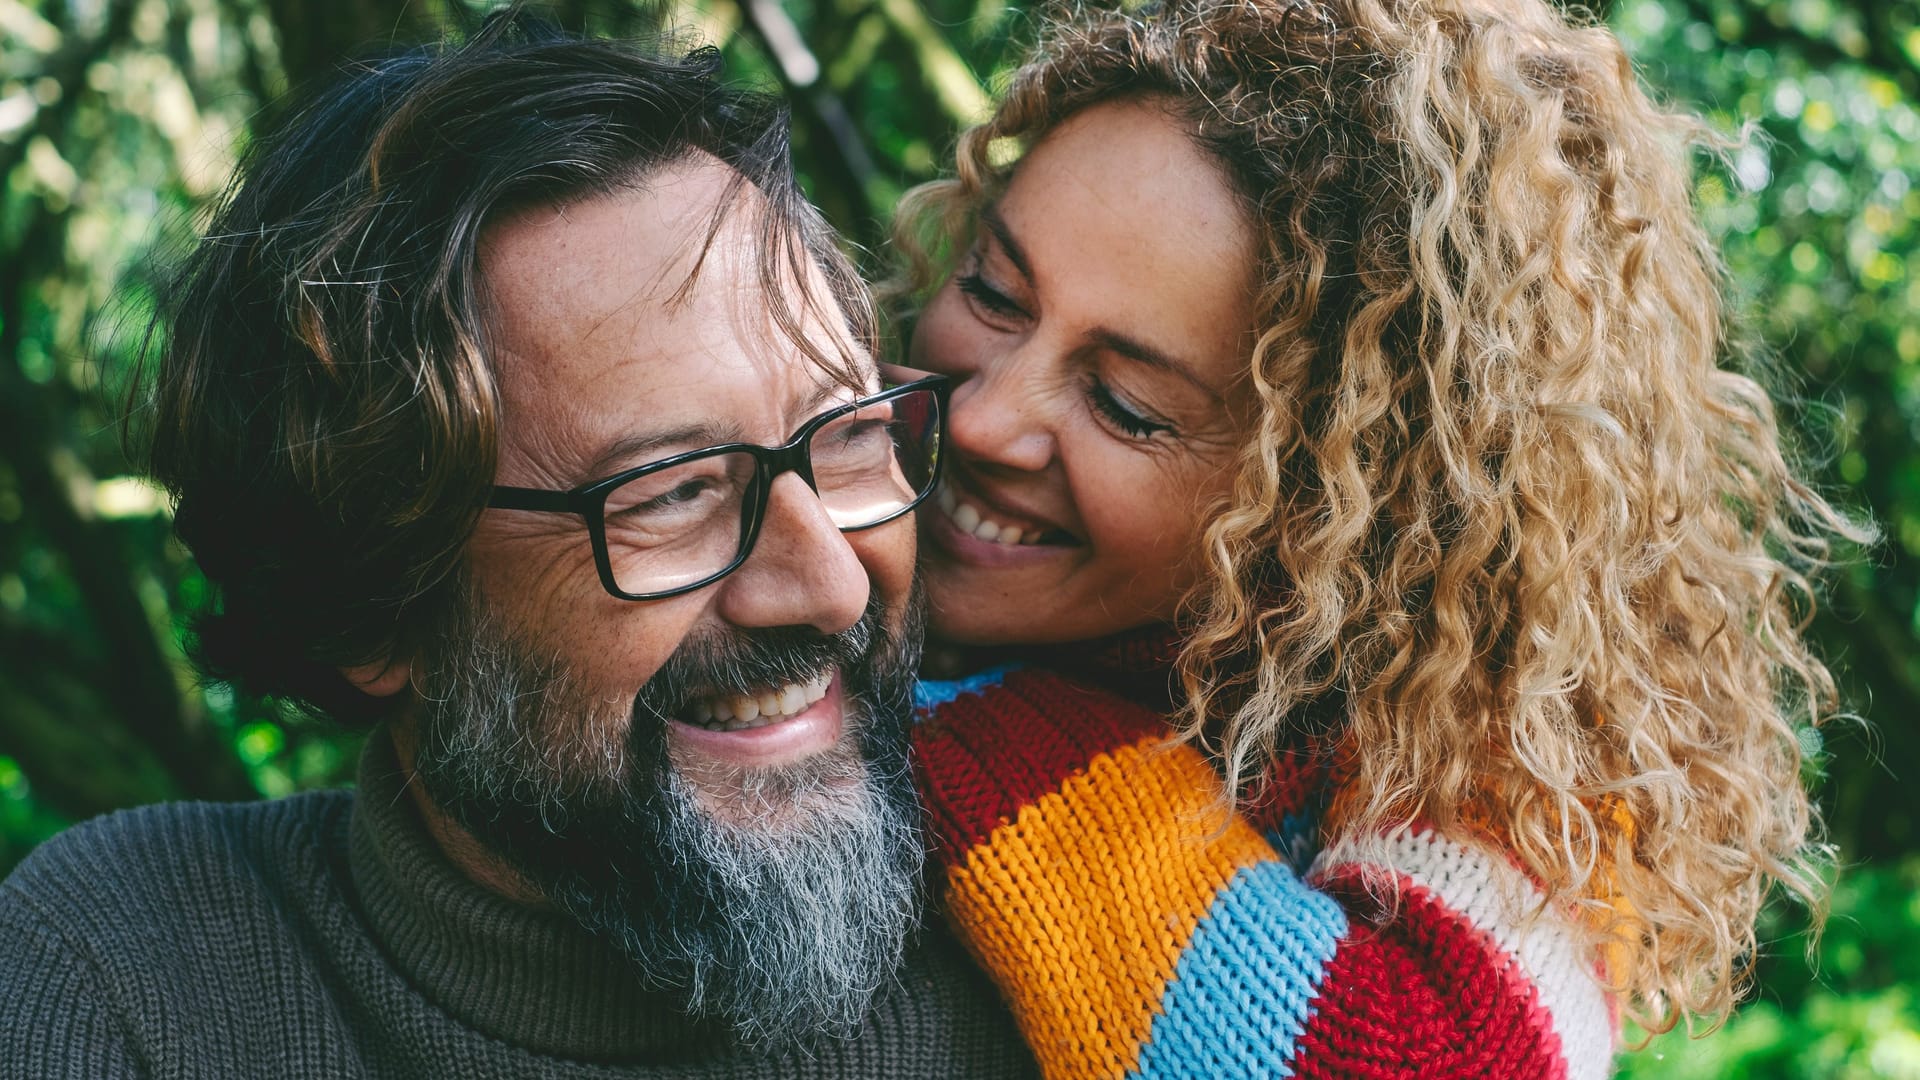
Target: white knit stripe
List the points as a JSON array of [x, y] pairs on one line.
[[1497, 898]]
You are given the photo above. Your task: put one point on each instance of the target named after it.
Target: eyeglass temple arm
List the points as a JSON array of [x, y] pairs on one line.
[[895, 376]]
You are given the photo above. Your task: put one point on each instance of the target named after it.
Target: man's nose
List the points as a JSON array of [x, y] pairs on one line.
[[1001, 415], [802, 572]]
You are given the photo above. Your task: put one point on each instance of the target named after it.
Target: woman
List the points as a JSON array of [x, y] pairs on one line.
[[1372, 347]]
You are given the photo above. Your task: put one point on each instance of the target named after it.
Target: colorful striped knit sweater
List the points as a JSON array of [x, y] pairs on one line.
[[1134, 936]]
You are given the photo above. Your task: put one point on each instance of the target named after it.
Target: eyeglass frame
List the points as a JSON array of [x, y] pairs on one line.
[[589, 500]]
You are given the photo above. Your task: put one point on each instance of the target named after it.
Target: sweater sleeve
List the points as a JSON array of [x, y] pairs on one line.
[[1136, 931], [55, 1020]]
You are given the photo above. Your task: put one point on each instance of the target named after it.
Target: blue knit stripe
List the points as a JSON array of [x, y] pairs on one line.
[[931, 693], [1297, 839], [1244, 987]]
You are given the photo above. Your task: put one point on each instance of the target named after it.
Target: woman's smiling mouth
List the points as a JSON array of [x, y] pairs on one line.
[[976, 519]]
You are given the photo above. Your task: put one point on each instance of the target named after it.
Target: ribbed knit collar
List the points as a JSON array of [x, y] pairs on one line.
[[525, 976]]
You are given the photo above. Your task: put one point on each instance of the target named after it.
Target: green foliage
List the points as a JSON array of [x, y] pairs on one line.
[[1853, 1015], [1819, 216], [119, 120]]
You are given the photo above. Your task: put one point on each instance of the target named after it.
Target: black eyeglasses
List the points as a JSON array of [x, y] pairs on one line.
[[684, 522]]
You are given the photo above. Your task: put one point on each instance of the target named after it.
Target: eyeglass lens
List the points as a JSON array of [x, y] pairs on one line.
[[680, 525]]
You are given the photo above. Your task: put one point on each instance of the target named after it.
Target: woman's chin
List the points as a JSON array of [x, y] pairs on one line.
[[965, 611], [981, 593], [965, 615], [962, 621]]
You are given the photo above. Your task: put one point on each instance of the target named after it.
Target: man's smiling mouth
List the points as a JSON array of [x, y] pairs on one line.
[[739, 712]]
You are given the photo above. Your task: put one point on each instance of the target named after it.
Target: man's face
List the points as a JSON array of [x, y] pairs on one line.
[[769, 871]]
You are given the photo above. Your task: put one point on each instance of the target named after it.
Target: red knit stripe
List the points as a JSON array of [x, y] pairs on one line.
[[1292, 777], [1427, 996], [1021, 740]]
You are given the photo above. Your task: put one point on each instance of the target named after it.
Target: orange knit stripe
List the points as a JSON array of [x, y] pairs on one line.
[[1120, 865]]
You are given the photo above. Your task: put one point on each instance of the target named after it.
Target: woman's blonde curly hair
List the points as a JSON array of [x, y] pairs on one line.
[[1502, 501]]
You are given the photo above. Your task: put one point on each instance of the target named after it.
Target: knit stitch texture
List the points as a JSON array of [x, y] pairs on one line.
[[1136, 932], [325, 935]]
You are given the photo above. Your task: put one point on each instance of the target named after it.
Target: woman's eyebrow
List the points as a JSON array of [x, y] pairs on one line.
[[1132, 348], [1148, 356], [1140, 352], [997, 225]]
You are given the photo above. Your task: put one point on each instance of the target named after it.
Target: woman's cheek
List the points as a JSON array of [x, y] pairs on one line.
[[941, 342]]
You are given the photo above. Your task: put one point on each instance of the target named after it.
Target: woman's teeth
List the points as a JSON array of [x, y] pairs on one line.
[[738, 712], [970, 519]]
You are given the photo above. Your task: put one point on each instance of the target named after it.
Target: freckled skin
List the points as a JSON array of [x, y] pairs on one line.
[[592, 346], [1126, 228]]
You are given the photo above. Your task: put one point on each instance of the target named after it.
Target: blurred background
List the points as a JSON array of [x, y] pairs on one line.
[[121, 119]]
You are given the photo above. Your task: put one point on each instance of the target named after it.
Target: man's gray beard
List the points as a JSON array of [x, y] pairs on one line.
[[777, 900]]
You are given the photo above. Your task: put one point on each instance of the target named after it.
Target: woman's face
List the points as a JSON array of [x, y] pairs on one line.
[[1098, 330]]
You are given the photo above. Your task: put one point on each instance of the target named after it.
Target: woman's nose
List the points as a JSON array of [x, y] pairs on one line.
[[1000, 416]]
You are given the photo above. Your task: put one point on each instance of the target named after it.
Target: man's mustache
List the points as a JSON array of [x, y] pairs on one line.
[[741, 662]]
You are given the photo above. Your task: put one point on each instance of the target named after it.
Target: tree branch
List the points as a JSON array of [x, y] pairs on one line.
[[830, 130], [142, 689]]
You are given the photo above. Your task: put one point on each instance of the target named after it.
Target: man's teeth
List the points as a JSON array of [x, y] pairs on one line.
[[738, 712], [969, 518]]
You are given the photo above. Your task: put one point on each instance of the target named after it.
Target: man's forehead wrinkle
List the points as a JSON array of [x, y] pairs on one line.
[[688, 254], [675, 285], [668, 213], [811, 303], [701, 226], [720, 218], [538, 430], [641, 326], [643, 291]]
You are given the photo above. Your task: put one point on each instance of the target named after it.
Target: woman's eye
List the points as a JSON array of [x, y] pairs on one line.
[[1120, 414], [991, 299]]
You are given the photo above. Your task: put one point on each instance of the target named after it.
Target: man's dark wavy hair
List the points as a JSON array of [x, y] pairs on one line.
[[323, 409]]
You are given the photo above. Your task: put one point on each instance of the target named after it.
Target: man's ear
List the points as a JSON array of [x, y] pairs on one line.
[[382, 678]]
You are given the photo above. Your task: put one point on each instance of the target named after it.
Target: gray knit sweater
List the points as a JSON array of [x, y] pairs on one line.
[[324, 935]]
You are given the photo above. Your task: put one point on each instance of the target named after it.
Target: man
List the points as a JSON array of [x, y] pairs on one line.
[[517, 405]]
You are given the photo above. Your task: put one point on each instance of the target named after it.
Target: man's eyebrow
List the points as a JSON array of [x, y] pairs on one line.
[[630, 450], [1002, 235], [633, 450]]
